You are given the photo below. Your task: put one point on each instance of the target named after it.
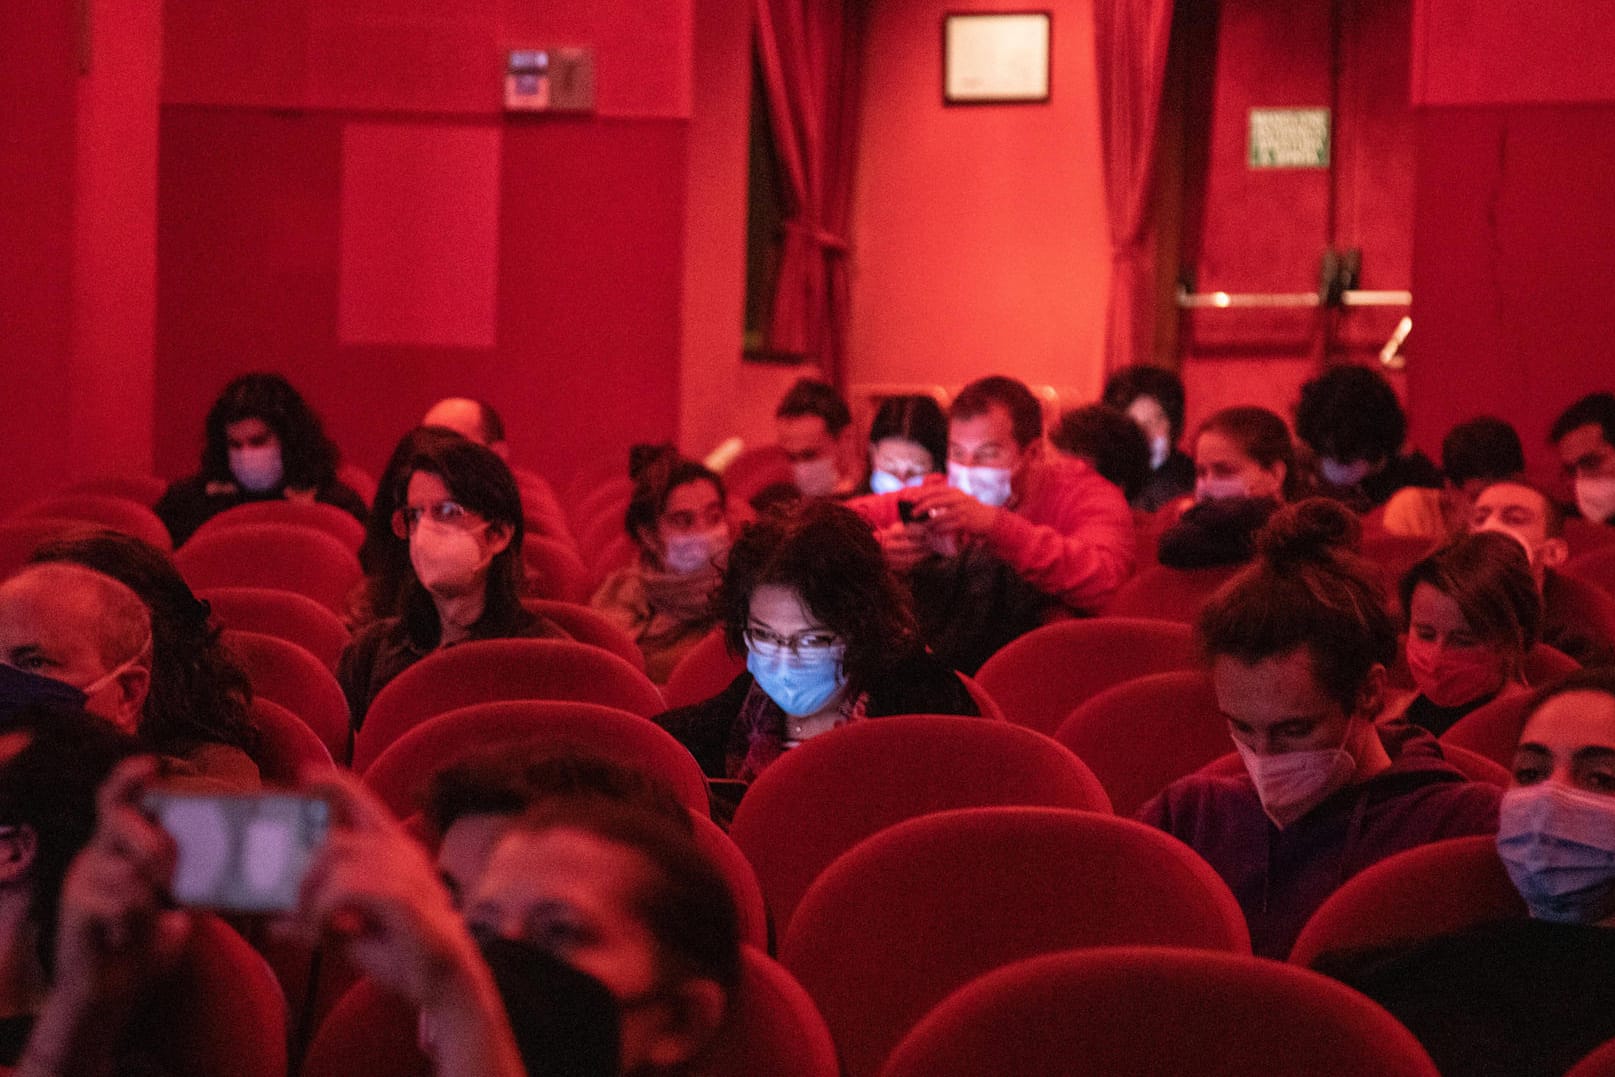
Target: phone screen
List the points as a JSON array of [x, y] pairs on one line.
[[243, 852]]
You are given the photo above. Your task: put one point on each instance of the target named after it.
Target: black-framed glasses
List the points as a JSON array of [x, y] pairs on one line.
[[809, 644]]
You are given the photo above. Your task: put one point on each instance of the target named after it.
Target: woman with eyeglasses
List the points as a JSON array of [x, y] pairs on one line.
[[460, 512], [828, 638]]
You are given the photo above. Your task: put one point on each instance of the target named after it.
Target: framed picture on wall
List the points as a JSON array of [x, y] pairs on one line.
[[994, 58]]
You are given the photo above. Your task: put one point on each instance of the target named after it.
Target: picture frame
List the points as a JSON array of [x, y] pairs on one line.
[[996, 58]]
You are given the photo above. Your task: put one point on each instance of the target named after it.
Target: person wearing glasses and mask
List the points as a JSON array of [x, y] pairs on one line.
[[460, 512], [1299, 643], [677, 516], [828, 639]]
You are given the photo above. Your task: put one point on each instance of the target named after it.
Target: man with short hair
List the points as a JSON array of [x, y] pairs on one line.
[[1474, 454], [1017, 536], [815, 430], [83, 629], [473, 419], [1585, 437]]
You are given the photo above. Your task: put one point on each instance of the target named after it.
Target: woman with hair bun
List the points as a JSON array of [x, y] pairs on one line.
[[1298, 644]]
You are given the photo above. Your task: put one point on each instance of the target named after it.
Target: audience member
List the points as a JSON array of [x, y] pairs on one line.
[[1472, 614], [908, 440], [1153, 398], [94, 634], [1525, 997], [1299, 643], [1474, 454], [384, 555], [1019, 535], [828, 638], [1351, 420], [53, 760], [815, 430], [473, 419], [677, 517], [1578, 618], [263, 443], [1244, 469], [1109, 442], [1585, 437], [462, 517], [197, 696]]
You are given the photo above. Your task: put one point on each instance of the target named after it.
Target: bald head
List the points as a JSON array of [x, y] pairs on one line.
[[469, 418], [75, 625]]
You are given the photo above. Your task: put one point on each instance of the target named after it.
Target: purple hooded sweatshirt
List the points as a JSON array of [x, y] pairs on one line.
[[1281, 876]]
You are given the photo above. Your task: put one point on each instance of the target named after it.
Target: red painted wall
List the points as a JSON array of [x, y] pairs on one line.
[[591, 219], [980, 242]]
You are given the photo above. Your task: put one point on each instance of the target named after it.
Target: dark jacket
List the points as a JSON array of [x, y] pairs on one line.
[[1212, 533], [718, 736], [1518, 998], [1281, 876], [1172, 480], [189, 503]]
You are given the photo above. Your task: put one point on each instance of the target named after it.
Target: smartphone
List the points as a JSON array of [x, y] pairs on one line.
[[240, 852]]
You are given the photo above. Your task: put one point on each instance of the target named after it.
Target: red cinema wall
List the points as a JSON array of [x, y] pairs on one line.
[[979, 235]]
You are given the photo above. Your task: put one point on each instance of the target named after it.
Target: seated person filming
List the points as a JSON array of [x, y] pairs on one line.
[[1299, 643], [828, 639], [677, 516], [1528, 997]]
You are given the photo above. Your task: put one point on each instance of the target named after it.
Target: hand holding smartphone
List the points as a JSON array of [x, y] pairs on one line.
[[240, 852]]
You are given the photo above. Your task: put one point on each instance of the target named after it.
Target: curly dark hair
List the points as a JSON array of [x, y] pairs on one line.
[[1485, 447], [309, 458], [1113, 442], [198, 693], [1489, 578], [827, 554], [656, 476], [809, 396], [384, 556], [1351, 413], [1306, 588], [1142, 379], [480, 481], [1594, 409]]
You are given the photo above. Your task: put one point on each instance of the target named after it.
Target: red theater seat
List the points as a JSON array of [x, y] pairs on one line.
[[283, 614], [288, 556], [554, 570], [287, 674], [119, 514], [915, 912], [773, 1028], [287, 748], [21, 536], [316, 515], [485, 671], [1169, 594], [704, 671], [1436, 889], [1037, 679], [1141, 736], [369, 1033], [587, 626], [819, 800], [737, 872], [399, 773], [1154, 1012], [755, 470], [1601, 1063], [224, 1015], [1492, 730], [358, 480], [1596, 567], [146, 489]]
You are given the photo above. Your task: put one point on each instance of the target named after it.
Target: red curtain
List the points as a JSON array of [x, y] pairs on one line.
[[1130, 45], [808, 51]]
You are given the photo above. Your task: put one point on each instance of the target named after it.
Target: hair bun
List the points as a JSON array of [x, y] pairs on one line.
[[1310, 530]]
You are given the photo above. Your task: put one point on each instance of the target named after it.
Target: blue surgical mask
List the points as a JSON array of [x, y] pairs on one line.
[[801, 685], [1340, 473], [1558, 845], [884, 482], [989, 485], [19, 688]]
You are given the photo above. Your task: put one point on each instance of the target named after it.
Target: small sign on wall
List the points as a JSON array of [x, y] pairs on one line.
[[995, 58], [1289, 138]]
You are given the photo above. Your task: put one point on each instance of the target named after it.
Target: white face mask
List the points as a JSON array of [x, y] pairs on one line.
[[1160, 449], [1292, 784], [816, 477], [256, 467], [694, 552], [1223, 489], [448, 561], [112, 674], [989, 485], [1558, 845], [1595, 497], [1336, 473]]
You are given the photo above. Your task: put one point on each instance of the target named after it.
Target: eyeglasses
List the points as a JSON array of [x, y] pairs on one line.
[[810, 644], [447, 513]]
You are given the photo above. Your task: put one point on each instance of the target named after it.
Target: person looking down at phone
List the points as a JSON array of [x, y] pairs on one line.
[[828, 639], [460, 512], [678, 519], [1299, 643], [908, 440], [1016, 536]]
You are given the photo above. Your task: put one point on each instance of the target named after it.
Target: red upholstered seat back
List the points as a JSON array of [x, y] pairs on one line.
[[287, 748], [773, 1028], [587, 626], [314, 515], [283, 614], [704, 671], [289, 675], [121, 514], [1037, 679], [288, 556], [821, 799], [1169, 594], [921, 909], [1493, 730]]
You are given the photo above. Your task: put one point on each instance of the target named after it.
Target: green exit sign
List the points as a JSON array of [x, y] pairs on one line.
[[1289, 138]]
